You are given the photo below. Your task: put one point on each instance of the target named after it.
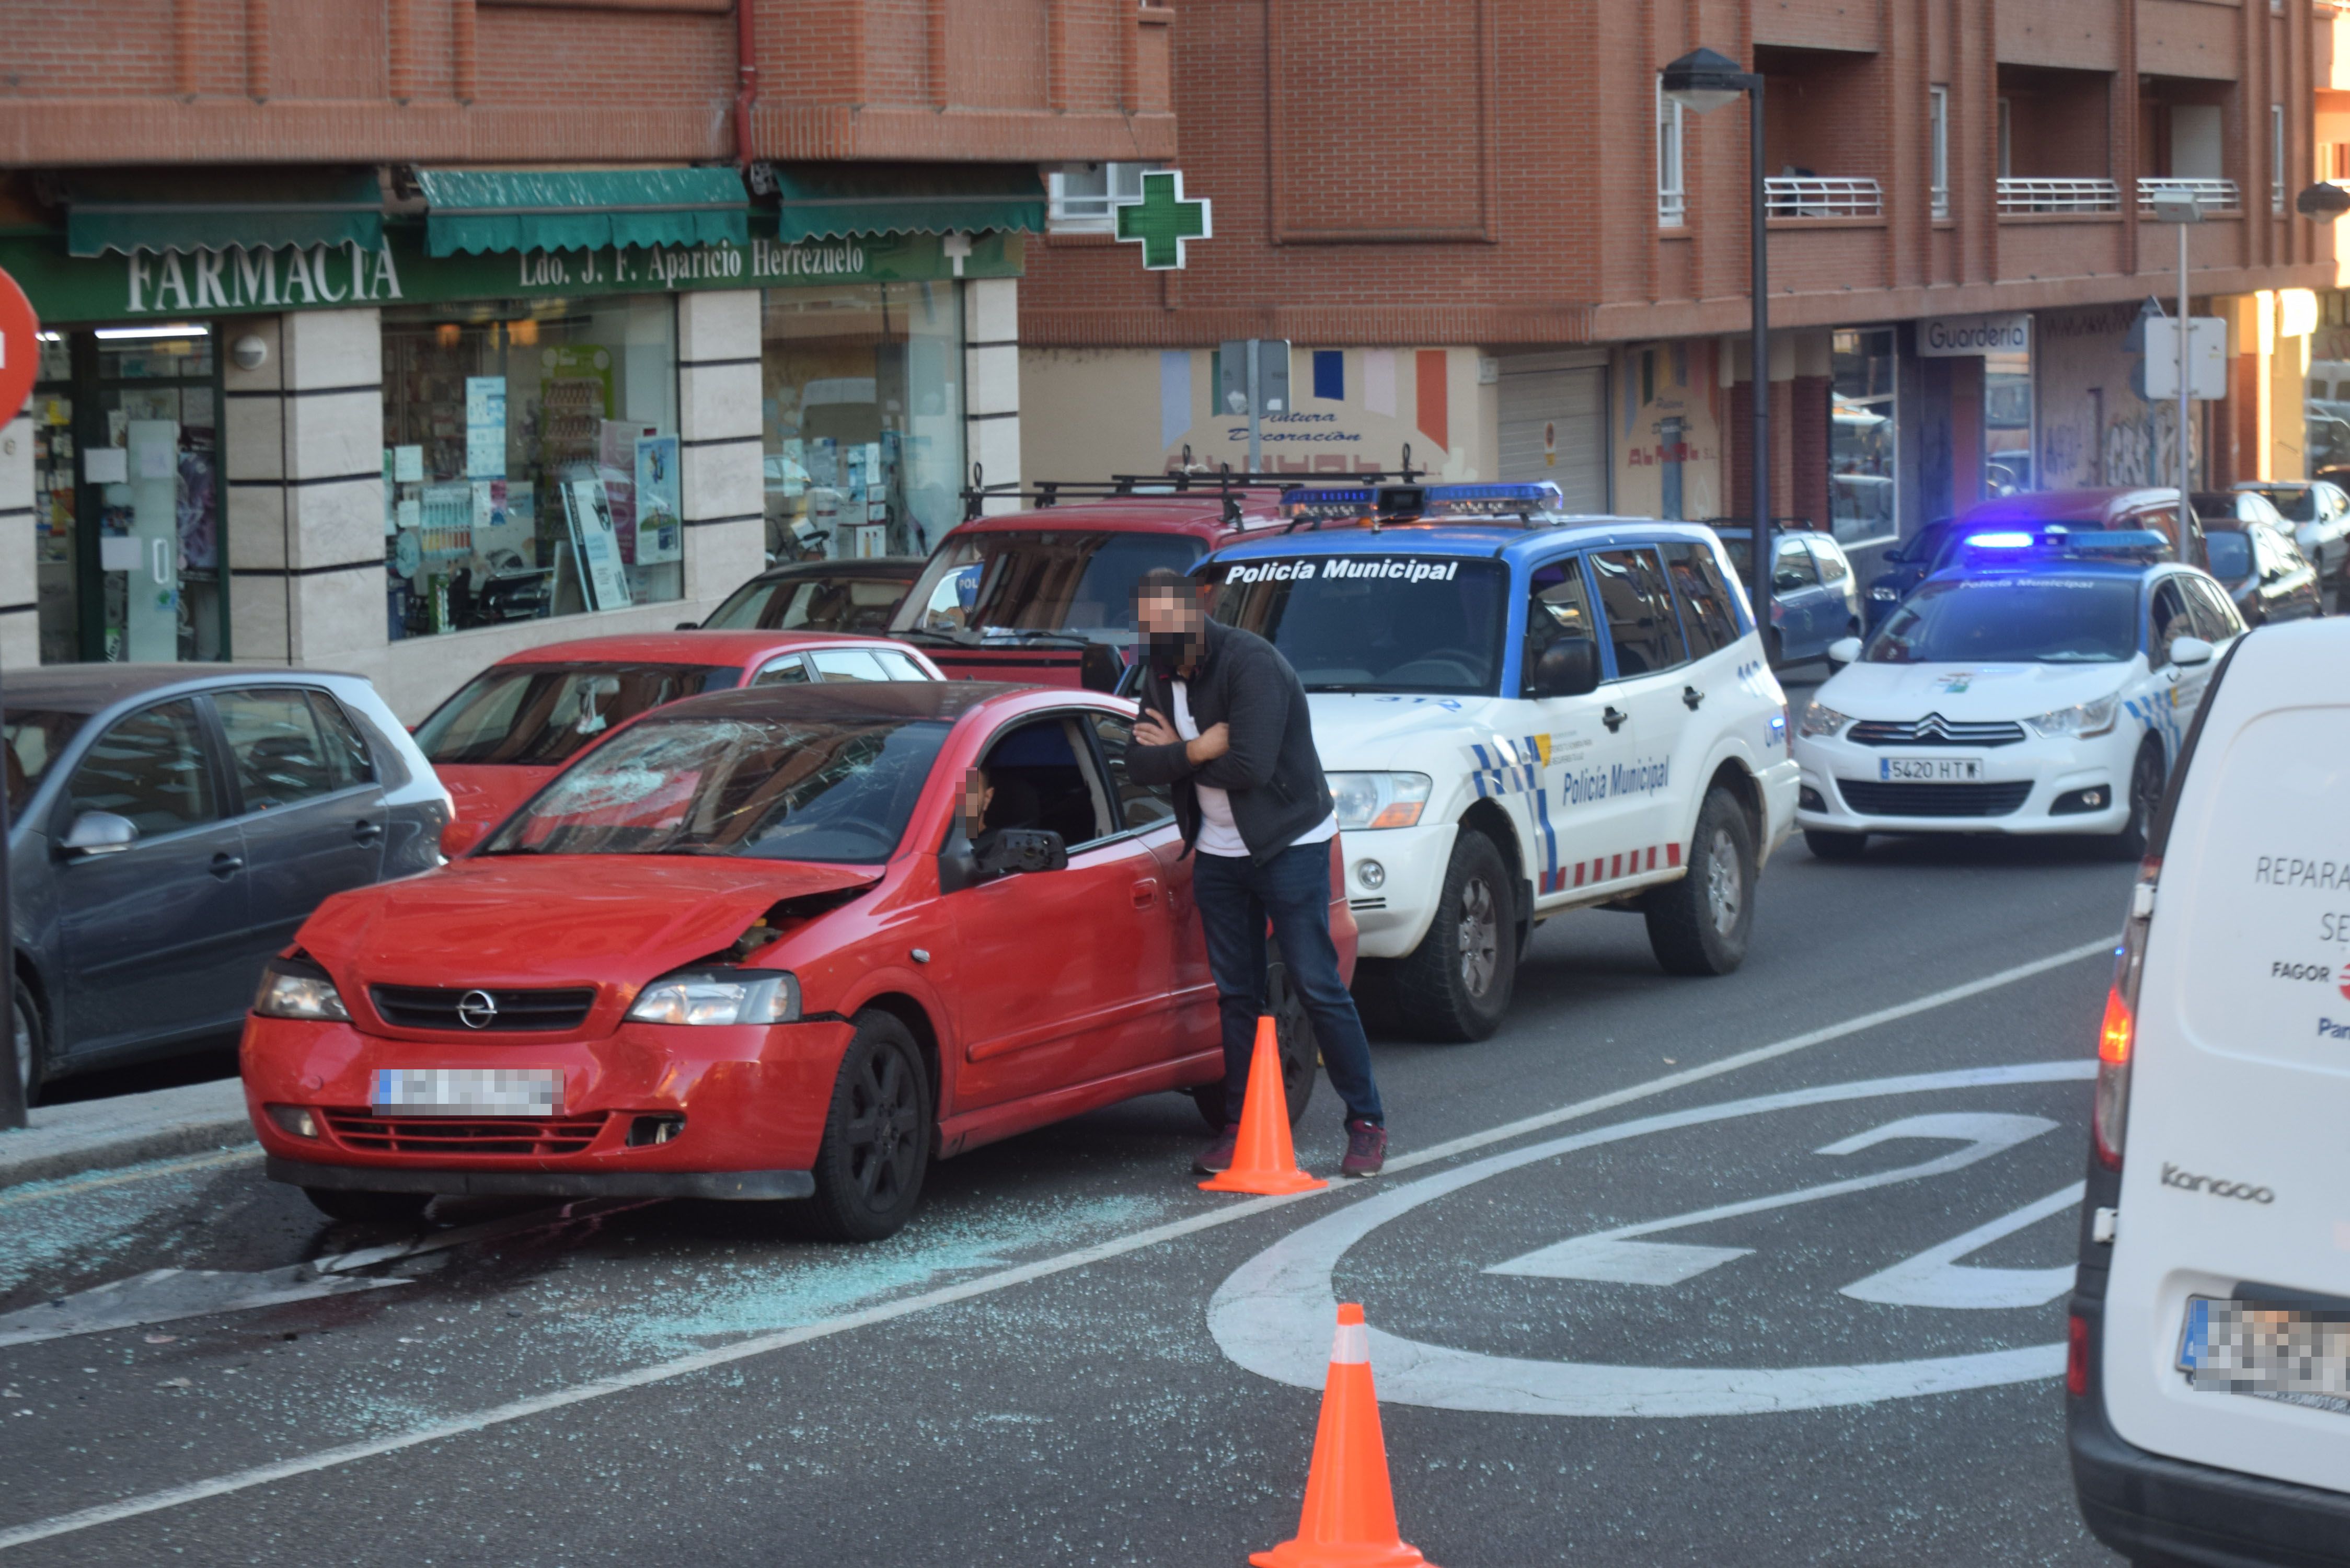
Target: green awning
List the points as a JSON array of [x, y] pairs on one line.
[[819, 200], [488, 210], [193, 210]]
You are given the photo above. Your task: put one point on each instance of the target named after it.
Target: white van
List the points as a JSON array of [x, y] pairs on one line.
[[2209, 1380]]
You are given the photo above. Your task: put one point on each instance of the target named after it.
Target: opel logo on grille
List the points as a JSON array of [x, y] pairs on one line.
[[477, 1010]]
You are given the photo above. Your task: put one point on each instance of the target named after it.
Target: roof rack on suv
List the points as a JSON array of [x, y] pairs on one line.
[[1534, 505], [1186, 479]]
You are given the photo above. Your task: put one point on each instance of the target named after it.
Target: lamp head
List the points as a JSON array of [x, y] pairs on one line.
[[2178, 209], [1702, 80]]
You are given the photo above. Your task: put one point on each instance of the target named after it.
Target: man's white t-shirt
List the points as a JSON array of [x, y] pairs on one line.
[[1218, 833]]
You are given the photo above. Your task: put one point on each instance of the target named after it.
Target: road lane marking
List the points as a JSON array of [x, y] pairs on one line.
[[1271, 1314], [986, 1284], [35, 1192]]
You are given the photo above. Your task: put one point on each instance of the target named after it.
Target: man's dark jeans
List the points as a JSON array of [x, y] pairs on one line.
[[1235, 896]]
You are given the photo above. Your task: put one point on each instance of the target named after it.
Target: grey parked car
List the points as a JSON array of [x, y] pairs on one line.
[[170, 826]]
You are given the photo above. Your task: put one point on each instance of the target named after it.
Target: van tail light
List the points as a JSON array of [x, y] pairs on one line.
[[2117, 1035], [2076, 1356]]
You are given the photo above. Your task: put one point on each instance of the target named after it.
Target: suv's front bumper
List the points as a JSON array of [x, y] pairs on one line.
[[2158, 1510], [1391, 917]]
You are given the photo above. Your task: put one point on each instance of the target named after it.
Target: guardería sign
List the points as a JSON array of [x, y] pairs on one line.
[[1962, 337], [241, 280], [1272, 1314]]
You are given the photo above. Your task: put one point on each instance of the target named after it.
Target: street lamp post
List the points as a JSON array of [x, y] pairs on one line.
[[1702, 82], [2180, 210]]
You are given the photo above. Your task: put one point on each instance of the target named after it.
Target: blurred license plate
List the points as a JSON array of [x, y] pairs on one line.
[[469, 1091], [1929, 770], [2297, 1353]]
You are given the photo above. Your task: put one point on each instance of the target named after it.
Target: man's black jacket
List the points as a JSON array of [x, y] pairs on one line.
[[1271, 771]]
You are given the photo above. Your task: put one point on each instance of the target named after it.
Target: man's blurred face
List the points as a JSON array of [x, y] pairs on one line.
[[1172, 622], [977, 795]]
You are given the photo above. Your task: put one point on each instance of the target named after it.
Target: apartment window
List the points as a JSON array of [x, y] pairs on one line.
[[1083, 196], [1672, 201], [2276, 158], [2005, 118], [1938, 135]]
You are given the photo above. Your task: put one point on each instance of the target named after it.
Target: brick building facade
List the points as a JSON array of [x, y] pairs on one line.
[[1483, 233], [396, 334]]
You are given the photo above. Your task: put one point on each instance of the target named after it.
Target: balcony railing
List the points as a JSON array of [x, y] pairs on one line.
[[2020, 196], [1818, 196], [2211, 195]]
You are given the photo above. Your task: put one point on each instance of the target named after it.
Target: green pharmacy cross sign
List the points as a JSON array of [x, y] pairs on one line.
[[1163, 220]]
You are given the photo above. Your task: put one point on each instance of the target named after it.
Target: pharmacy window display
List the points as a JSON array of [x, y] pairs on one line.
[[530, 461], [862, 412]]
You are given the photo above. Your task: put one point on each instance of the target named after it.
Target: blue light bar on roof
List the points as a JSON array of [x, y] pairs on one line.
[[2063, 544], [1998, 542], [1508, 500], [1335, 501]]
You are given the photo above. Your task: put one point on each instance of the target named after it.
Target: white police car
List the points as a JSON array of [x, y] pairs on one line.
[[1521, 714], [2041, 683]]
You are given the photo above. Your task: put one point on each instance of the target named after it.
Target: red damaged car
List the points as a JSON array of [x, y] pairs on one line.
[[506, 731], [755, 945]]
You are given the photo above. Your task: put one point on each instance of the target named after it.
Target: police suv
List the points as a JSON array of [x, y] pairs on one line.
[[1521, 714], [2041, 684]]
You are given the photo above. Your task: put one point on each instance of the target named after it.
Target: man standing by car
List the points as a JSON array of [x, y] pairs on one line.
[[1255, 811]]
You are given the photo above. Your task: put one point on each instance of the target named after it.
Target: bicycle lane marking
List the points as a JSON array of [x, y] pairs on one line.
[[1272, 1314], [987, 1285]]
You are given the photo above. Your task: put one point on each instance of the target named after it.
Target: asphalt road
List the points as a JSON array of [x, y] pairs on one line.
[[1074, 1357]]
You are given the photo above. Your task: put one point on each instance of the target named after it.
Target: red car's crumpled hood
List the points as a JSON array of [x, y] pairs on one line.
[[530, 920], [488, 794]]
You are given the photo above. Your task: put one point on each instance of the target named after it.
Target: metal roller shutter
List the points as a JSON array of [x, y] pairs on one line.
[[1554, 426]]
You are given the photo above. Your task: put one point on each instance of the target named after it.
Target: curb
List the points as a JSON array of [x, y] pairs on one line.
[[98, 1135]]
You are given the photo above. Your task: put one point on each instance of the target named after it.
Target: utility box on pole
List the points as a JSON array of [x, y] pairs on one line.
[[2206, 359], [1252, 379]]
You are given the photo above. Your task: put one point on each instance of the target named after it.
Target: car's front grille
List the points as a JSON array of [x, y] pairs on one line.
[[467, 1136], [1933, 799], [1933, 730], [432, 1007]]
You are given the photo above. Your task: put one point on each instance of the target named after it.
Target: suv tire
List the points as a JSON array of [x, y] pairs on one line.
[[1698, 925], [1826, 844], [1456, 984], [877, 1135], [1300, 1054]]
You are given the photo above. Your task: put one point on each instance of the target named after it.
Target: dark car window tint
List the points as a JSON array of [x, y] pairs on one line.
[[1141, 804], [2087, 619], [1558, 606], [1043, 778], [1051, 580], [810, 604], [2229, 551], [770, 789], [150, 768], [1704, 598], [2167, 622], [1638, 607], [535, 715], [31, 740], [282, 752], [2207, 603]]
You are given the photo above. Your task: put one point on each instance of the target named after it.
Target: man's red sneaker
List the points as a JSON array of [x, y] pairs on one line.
[[1217, 1158], [1366, 1150]]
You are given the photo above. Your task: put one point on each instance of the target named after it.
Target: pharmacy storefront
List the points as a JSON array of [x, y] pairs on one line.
[[408, 445]]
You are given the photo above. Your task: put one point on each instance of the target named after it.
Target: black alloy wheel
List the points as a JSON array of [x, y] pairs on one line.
[[1300, 1054], [877, 1139], [1456, 985], [1699, 924]]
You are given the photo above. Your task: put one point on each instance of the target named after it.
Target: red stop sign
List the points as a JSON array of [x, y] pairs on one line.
[[20, 351]]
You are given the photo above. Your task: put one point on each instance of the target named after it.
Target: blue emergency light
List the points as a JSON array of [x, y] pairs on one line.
[[2014, 545], [1495, 500], [1336, 501]]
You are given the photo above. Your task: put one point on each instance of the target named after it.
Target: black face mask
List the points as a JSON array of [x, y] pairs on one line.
[[1175, 648]]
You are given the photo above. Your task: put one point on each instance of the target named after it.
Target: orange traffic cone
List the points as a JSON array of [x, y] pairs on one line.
[[1349, 1520], [1264, 1161]]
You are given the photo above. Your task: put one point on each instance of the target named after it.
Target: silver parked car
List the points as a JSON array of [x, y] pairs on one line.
[[170, 826]]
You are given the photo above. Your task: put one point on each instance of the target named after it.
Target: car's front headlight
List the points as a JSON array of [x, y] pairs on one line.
[[296, 988], [1377, 800], [2081, 721], [1884, 596], [720, 996], [1820, 721]]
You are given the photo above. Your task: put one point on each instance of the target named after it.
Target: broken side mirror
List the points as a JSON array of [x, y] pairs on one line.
[[1023, 849]]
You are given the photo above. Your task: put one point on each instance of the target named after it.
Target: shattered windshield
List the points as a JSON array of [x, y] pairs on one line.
[[535, 715], [769, 789]]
